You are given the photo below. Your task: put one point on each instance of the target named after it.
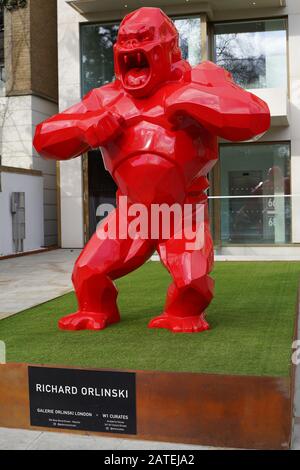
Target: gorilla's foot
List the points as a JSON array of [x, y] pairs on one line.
[[87, 321], [194, 324]]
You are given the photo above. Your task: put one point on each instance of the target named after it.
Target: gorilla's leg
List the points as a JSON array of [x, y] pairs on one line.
[[102, 261], [192, 288]]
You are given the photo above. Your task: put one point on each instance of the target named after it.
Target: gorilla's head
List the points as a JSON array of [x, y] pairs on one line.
[[146, 48]]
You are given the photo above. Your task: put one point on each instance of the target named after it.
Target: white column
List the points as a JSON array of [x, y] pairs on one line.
[[72, 224], [294, 41]]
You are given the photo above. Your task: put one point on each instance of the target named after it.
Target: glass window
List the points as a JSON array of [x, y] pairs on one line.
[[255, 190], [97, 61], [255, 52], [189, 39]]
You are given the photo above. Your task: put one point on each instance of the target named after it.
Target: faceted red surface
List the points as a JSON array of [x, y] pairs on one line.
[[157, 126]]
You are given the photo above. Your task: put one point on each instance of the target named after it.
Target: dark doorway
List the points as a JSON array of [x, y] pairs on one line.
[[102, 188]]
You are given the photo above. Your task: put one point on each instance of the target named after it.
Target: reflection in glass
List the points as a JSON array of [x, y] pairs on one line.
[[190, 39], [255, 52], [255, 185], [97, 62]]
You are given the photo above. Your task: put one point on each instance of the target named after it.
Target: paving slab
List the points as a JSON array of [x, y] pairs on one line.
[[296, 436], [16, 439], [31, 280]]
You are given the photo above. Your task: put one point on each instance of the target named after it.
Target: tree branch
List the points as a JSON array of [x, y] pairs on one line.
[[12, 4]]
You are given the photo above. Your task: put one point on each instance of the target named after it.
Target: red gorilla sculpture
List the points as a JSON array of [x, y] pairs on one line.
[[157, 125]]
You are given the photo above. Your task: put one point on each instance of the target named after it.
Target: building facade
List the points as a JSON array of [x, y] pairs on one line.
[[28, 95], [255, 188]]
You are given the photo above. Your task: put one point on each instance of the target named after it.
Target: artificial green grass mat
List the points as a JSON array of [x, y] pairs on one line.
[[252, 319]]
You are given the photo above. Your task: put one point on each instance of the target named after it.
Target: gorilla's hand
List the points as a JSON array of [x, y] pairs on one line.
[[105, 127]]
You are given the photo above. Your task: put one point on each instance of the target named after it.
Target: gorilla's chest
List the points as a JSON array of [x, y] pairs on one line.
[[137, 110], [148, 131]]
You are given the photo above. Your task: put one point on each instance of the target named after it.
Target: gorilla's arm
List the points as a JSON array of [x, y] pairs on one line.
[[82, 127], [216, 102]]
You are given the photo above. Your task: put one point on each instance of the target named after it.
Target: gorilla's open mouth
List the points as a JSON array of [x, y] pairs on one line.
[[135, 69]]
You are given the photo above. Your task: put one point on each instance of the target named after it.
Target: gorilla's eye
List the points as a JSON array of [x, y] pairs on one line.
[[145, 34], [122, 38], [143, 37]]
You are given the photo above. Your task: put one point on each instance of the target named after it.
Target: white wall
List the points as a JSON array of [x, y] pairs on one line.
[[34, 212], [3, 106], [277, 99], [18, 117], [17, 132], [42, 109]]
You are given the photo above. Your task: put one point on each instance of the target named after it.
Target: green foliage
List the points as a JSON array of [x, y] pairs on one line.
[[12, 4], [252, 319]]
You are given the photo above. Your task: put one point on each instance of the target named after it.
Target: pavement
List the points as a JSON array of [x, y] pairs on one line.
[[34, 279], [51, 272], [18, 439]]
